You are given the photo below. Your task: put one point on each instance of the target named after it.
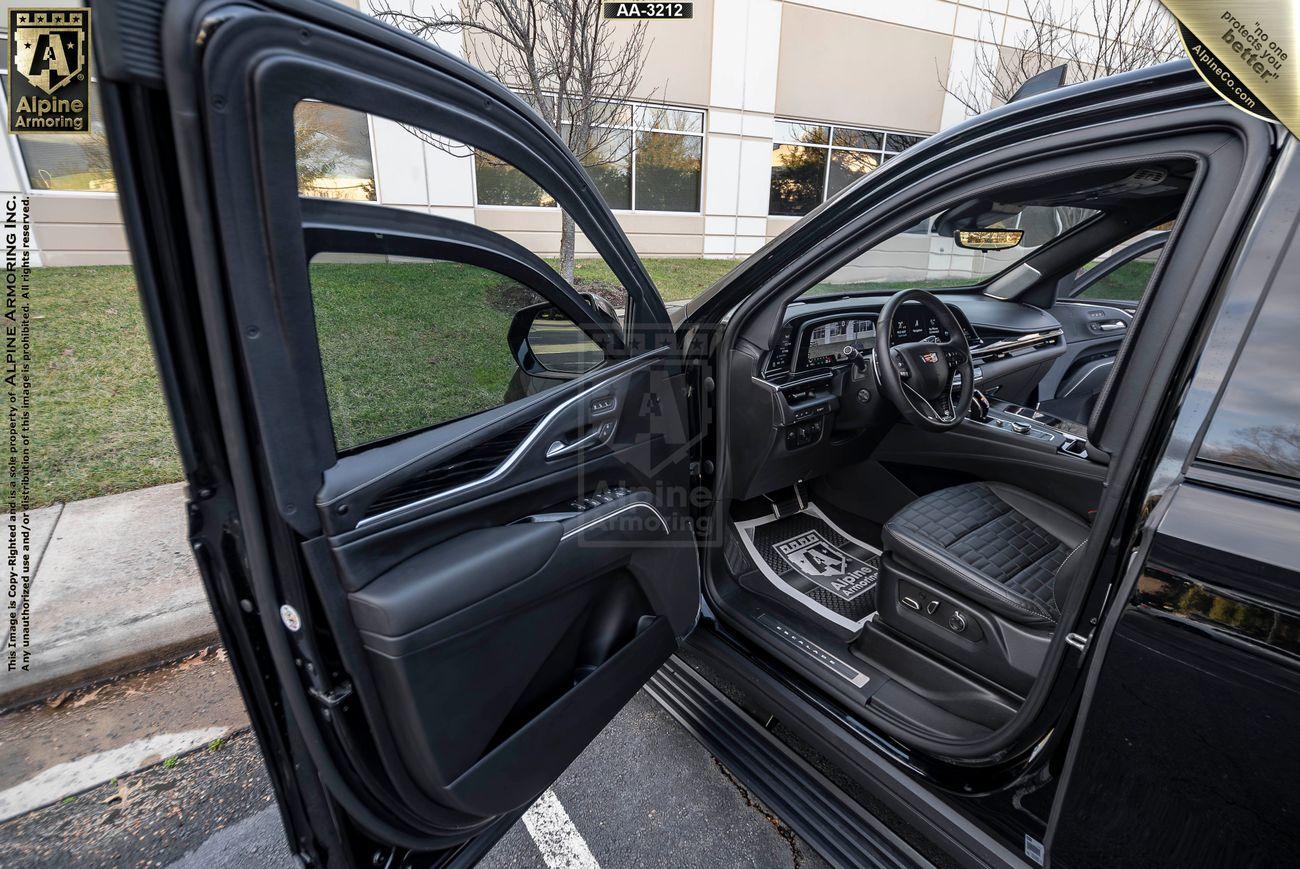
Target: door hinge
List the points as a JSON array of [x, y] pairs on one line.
[[334, 697], [1079, 641]]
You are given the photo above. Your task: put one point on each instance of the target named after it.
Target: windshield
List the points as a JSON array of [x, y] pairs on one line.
[[926, 256]]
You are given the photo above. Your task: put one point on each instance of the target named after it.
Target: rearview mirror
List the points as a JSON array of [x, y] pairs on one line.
[[988, 239]]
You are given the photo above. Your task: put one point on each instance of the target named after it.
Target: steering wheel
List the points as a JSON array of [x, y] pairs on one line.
[[918, 375]]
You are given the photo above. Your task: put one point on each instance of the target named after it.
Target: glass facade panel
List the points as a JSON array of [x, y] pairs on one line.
[[68, 161], [847, 167], [798, 175], [812, 162], [610, 166], [863, 140], [668, 170], [500, 183], [900, 142], [807, 134], [662, 118], [666, 146]]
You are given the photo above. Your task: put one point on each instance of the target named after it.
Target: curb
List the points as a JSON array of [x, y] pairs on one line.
[[105, 670]]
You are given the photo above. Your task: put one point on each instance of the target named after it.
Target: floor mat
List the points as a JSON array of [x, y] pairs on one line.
[[808, 557]]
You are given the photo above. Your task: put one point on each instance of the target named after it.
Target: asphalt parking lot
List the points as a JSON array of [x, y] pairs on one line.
[[645, 793]]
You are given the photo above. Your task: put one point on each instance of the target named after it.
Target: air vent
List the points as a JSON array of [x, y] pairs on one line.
[[474, 463]]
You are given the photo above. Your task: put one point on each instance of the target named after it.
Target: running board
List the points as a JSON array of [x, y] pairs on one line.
[[818, 811]]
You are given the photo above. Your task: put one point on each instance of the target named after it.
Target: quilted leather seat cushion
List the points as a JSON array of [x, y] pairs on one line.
[[993, 544]]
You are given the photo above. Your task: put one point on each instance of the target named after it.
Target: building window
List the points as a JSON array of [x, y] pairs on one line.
[[332, 148], [68, 161], [811, 162], [651, 159]]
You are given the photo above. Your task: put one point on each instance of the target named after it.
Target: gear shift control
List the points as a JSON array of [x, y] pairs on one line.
[[854, 355], [979, 406]]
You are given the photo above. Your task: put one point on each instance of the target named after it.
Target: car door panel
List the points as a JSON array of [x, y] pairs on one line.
[[499, 581], [442, 618], [1090, 350]]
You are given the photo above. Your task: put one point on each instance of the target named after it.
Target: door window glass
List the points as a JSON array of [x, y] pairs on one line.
[[408, 343], [332, 147], [412, 344], [1125, 283], [1257, 423]]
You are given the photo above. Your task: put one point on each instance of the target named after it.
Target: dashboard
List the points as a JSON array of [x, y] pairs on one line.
[[805, 410], [820, 340]]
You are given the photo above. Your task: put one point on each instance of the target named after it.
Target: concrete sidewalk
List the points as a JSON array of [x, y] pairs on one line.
[[114, 589]]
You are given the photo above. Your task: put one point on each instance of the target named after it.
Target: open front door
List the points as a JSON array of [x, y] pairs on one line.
[[439, 498]]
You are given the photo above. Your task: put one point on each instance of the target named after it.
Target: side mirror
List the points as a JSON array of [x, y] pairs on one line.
[[604, 310], [988, 239], [545, 342]]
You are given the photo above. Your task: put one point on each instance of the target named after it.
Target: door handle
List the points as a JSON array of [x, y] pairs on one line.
[[598, 435], [1110, 327]]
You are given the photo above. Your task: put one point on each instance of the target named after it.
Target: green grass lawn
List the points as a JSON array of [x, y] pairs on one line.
[[678, 279], [99, 424], [404, 344], [1125, 284]]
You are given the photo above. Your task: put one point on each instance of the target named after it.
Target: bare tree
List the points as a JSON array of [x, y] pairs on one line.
[[1130, 34], [563, 58]]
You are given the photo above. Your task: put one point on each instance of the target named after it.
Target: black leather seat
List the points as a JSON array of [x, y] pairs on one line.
[[997, 546]]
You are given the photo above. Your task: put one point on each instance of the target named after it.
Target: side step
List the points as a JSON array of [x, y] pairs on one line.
[[818, 811]]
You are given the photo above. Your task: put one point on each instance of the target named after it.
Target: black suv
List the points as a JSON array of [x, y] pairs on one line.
[[982, 481]]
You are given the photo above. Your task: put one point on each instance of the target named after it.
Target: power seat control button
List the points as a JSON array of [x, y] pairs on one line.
[[911, 602], [957, 623]]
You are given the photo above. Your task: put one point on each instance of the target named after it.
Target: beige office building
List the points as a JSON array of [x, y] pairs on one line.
[[747, 116]]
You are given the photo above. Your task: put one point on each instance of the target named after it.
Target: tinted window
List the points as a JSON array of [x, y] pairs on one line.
[[1257, 423], [499, 183], [407, 345], [1126, 283], [668, 172], [797, 176], [923, 257]]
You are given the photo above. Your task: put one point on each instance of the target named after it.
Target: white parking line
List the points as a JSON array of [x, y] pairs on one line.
[[561, 845], [53, 784]]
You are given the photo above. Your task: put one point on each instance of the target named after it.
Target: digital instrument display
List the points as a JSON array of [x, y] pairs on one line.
[[823, 343], [827, 342], [917, 324]]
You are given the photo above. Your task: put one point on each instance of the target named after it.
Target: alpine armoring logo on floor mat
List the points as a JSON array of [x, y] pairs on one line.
[[815, 558]]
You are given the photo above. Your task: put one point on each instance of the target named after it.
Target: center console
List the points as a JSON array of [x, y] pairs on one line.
[[1038, 428]]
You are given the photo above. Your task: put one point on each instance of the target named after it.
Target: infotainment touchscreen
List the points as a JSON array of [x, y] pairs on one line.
[[827, 342]]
